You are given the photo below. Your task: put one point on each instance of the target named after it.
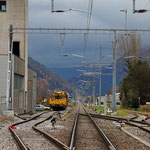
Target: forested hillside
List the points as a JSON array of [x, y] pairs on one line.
[[47, 80]]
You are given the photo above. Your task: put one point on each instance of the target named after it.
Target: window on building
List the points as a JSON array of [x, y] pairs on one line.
[[2, 6], [16, 48]]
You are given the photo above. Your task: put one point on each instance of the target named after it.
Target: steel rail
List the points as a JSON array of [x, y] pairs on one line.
[[74, 132], [20, 143], [119, 119], [140, 127], [45, 119], [30, 119], [18, 140], [54, 140], [51, 138], [19, 117], [136, 116], [125, 121], [103, 135]]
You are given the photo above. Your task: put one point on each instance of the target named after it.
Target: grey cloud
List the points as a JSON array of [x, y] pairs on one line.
[[106, 14]]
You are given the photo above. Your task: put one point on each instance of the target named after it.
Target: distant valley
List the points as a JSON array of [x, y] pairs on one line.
[[47, 81]]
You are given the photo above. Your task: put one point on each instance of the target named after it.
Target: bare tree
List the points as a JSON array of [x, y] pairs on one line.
[[128, 45]]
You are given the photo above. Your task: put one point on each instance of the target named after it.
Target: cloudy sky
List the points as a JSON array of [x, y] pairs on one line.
[[106, 14]]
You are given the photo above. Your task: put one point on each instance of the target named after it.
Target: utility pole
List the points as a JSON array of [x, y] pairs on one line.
[[114, 46], [91, 92], [100, 78], [74, 93], [94, 84]]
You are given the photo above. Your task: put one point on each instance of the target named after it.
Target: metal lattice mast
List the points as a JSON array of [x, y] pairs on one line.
[[114, 46], [94, 84], [100, 78], [9, 72]]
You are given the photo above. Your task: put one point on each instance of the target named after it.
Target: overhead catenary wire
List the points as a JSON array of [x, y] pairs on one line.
[[90, 8]]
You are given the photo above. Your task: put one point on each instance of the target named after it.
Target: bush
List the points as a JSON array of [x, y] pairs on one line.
[[145, 108]]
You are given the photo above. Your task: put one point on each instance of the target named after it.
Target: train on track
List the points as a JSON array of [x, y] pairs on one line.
[[58, 100]]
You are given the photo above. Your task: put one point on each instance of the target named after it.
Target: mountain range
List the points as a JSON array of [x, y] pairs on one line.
[[47, 81], [74, 76]]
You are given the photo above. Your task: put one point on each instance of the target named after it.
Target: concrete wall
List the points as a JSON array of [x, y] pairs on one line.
[[3, 81], [17, 15], [18, 104], [19, 66], [31, 103], [18, 84]]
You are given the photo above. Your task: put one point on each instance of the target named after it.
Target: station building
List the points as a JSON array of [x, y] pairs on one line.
[[23, 83]]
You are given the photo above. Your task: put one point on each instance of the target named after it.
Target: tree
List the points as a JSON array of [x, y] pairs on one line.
[[128, 45], [135, 88]]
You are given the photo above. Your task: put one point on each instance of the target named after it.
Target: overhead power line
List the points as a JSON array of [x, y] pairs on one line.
[[90, 9]]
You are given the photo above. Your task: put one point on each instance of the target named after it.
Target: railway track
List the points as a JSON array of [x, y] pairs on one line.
[[140, 124], [27, 139], [138, 130], [82, 132], [17, 138], [87, 135]]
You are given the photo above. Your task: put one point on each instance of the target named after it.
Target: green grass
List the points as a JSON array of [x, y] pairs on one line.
[[97, 108], [125, 112], [122, 111]]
